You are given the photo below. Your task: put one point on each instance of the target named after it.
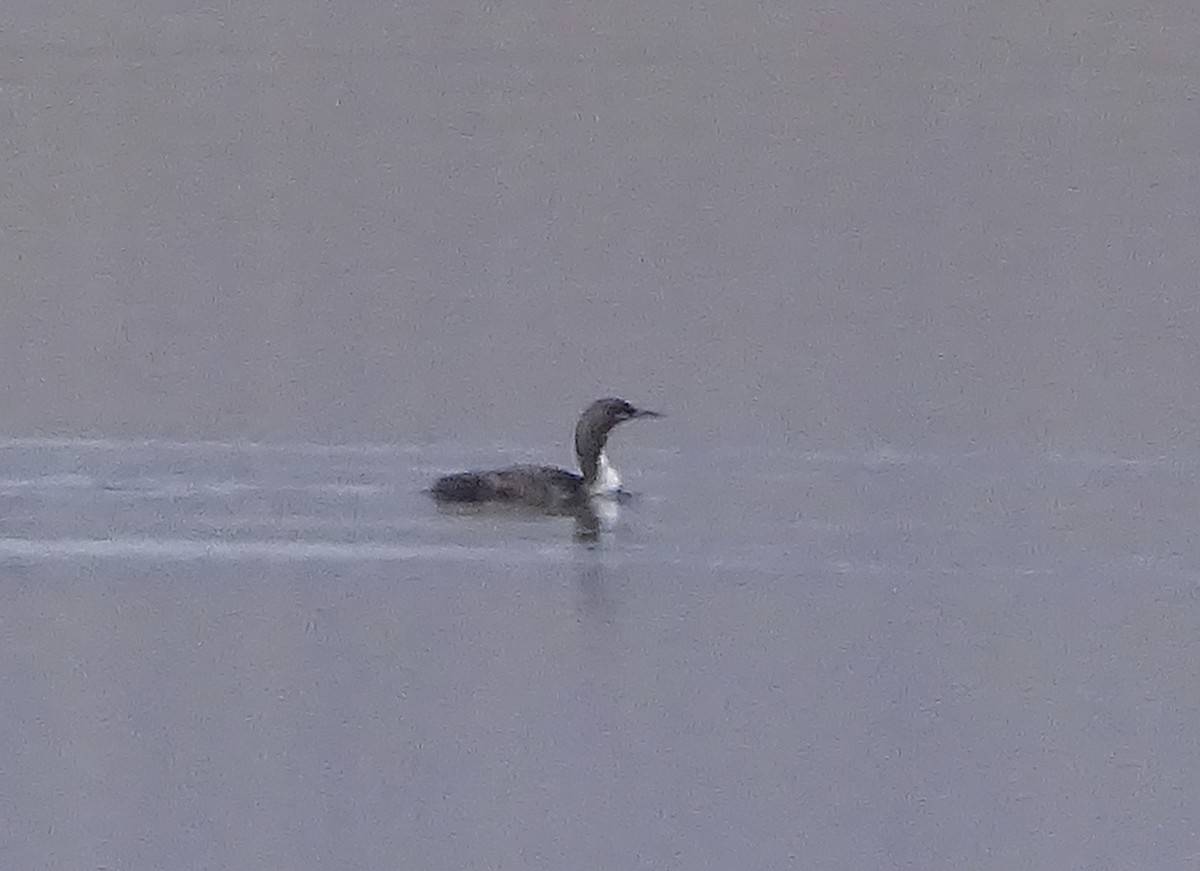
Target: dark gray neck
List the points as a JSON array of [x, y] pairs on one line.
[[591, 434]]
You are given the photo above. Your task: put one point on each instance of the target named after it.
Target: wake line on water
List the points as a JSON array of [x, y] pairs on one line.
[[187, 549], [207, 445]]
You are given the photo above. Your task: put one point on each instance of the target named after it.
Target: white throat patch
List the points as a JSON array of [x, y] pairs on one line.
[[608, 482]]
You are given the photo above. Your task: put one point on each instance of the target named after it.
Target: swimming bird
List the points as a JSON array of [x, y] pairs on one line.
[[547, 488]]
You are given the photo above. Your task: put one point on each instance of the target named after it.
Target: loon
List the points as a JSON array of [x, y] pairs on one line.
[[548, 488]]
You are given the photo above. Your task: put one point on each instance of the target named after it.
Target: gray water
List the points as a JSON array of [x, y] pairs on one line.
[[238, 655], [911, 576]]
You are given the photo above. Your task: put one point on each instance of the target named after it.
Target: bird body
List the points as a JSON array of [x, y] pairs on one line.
[[548, 488], [545, 486]]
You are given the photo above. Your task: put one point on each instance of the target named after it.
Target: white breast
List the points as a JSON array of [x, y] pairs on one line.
[[608, 482]]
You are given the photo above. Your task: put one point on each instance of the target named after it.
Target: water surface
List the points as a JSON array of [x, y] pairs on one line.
[[870, 659]]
